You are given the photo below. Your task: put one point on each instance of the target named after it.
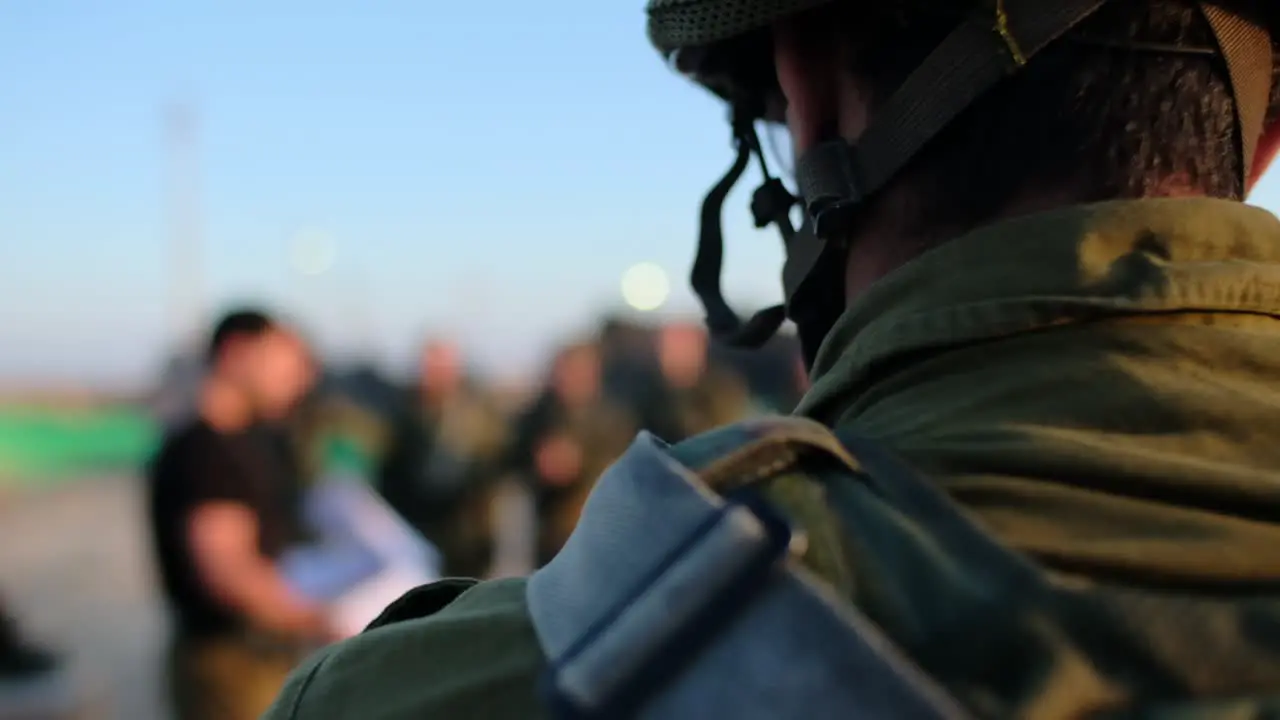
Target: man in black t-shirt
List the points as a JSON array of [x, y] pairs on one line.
[[221, 514]]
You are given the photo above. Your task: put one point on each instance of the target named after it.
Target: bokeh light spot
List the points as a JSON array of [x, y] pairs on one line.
[[313, 253], [645, 286]]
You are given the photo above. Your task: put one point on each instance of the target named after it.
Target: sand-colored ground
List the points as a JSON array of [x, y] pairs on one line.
[[76, 569]]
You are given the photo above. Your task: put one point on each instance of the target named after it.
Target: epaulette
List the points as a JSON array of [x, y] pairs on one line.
[[710, 579], [787, 457]]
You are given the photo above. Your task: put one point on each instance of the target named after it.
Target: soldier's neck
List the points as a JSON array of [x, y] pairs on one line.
[[890, 235]]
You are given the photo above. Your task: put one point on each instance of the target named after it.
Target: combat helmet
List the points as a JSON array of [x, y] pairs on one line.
[[724, 45]]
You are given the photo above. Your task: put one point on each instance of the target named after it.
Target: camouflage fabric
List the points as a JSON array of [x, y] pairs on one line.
[[1096, 391], [1143, 405]]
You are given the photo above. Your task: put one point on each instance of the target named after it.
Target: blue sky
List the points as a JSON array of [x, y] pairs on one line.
[[487, 169]]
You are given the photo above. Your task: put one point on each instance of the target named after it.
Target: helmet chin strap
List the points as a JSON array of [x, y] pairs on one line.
[[837, 178], [813, 277], [770, 204]]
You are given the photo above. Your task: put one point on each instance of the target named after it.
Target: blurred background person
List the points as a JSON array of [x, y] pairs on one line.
[[565, 439], [694, 394], [442, 460], [221, 514], [627, 353], [774, 373]]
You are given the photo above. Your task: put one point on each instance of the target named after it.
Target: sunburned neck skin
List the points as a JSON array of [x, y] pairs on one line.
[[882, 246]]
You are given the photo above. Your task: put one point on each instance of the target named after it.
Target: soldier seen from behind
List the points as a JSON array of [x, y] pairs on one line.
[[694, 394], [1036, 475], [570, 433], [627, 356], [442, 459]]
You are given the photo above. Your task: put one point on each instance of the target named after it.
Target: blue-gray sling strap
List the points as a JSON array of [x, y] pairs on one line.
[[671, 601]]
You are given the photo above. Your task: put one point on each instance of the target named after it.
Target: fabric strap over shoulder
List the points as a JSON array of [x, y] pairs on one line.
[[681, 595]]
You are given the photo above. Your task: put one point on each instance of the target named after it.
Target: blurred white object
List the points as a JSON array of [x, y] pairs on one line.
[[515, 525], [366, 557]]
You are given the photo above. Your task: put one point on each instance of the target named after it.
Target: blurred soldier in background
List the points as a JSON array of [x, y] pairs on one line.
[[326, 417], [628, 360], [775, 372], [694, 394], [221, 514], [442, 460], [565, 439]]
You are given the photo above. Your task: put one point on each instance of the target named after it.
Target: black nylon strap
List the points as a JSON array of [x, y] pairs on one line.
[[722, 322], [771, 205], [965, 66], [1246, 48], [705, 276], [758, 328], [974, 58]]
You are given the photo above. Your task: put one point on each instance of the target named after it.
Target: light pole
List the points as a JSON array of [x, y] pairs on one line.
[[186, 288], [314, 254]]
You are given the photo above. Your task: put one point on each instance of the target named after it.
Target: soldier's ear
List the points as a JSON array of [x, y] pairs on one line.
[[1268, 146], [806, 60]]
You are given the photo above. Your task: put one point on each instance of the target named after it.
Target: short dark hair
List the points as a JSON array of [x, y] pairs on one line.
[[244, 322], [1088, 116]]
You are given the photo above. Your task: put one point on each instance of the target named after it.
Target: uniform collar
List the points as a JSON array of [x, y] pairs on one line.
[[1068, 266]]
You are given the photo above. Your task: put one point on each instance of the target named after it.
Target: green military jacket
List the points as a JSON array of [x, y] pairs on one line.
[[1098, 387]]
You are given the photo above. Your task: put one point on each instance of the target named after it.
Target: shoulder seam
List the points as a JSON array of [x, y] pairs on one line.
[[295, 701]]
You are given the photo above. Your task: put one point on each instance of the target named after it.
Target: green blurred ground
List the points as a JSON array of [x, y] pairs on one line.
[[49, 446], [46, 447]]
